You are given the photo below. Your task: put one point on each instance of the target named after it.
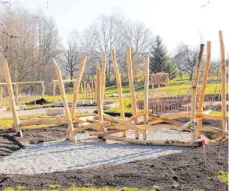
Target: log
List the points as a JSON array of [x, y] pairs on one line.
[[98, 85], [155, 142], [40, 121], [11, 97], [70, 131], [131, 85], [92, 126], [204, 87], [146, 88], [55, 111], [77, 86], [223, 82], [194, 92], [119, 87]]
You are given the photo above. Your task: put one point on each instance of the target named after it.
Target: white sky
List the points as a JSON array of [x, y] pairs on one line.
[[175, 21]]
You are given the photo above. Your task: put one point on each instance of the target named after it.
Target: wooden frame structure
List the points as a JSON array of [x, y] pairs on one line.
[[106, 125]]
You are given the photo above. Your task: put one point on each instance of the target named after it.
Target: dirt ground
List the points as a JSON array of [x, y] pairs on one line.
[[183, 171]]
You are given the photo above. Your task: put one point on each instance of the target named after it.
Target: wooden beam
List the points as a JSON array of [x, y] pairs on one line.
[[204, 87], [77, 86], [119, 87], [155, 142], [131, 85], [223, 82], [11, 97], [194, 92], [70, 131], [40, 121]]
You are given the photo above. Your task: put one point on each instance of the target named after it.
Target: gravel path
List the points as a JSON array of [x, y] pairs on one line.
[[63, 155]]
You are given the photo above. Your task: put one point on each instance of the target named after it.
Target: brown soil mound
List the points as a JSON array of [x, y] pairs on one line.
[[41, 101], [183, 171]]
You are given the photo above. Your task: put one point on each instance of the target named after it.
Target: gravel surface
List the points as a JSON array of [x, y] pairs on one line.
[[89, 152]]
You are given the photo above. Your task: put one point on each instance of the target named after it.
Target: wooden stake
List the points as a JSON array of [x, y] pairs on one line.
[[11, 97], [70, 131], [77, 86], [98, 93], [223, 82], [103, 82], [194, 92], [131, 85], [204, 86], [43, 90], [119, 87], [146, 88]]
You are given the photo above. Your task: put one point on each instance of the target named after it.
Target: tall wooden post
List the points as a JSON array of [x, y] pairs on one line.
[[103, 81], [194, 92], [223, 82], [131, 85], [146, 92], [70, 131], [77, 86], [119, 87], [204, 86], [98, 93], [11, 98]]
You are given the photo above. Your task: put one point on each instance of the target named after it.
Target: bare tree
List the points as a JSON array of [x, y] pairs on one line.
[[186, 59], [71, 54]]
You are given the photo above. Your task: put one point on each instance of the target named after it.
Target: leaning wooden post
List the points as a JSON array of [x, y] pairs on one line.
[[131, 85], [98, 93], [77, 86], [119, 87], [194, 92], [223, 82], [146, 92], [11, 98], [204, 86], [70, 131]]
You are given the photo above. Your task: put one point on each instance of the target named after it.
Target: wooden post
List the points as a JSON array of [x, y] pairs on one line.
[[85, 89], [98, 98], [43, 90], [146, 92], [131, 85], [11, 98], [77, 85], [54, 90], [194, 92], [204, 87], [92, 89], [223, 82], [119, 87], [81, 85], [70, 131]]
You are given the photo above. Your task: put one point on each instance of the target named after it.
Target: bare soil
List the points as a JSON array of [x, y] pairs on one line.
[[183, 171]]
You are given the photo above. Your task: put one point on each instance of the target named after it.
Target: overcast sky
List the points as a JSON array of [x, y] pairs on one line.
[[175, 21]]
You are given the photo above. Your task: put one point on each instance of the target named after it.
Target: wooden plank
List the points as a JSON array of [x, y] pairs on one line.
[[11, 97], [194, 92], [119, 87], [223, 82], [131, 85], [155, 142], [204, 87], [40, 121], [77, 86], [70, 131]]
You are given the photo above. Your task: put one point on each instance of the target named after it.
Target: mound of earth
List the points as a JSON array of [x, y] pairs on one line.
[[41, 101]]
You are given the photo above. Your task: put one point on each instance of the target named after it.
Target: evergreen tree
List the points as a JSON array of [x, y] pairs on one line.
[[158, 56], [171, 68]]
